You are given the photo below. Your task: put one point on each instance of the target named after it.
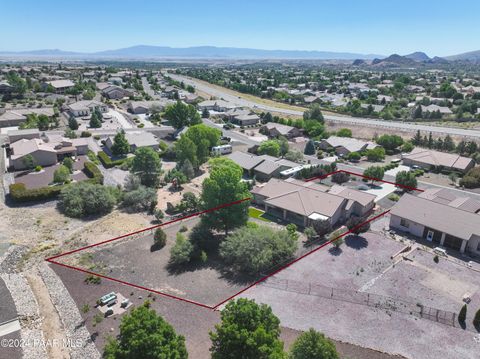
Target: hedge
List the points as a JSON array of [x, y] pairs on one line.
[[20, 193], [107, 161], [93, 172]]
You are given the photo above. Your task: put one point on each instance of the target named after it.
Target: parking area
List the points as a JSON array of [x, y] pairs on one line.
[[33, 179]]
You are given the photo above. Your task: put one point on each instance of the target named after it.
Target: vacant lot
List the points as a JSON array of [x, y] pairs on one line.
[[134, 260]]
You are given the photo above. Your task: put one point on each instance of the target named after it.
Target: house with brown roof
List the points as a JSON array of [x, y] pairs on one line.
[[263, 167], [274, 130], [345, 145], [430, 159], [305, 202], [439, 218]]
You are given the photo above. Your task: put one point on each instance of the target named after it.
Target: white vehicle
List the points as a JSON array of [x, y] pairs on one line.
[[221, 150]]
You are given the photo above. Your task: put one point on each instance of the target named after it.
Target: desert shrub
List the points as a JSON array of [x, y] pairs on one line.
[[270, 247], [340, 177], [182, 251], [159, 238], [82, 199], [61, 174], [476, 319], [140, 199], [462, 316]]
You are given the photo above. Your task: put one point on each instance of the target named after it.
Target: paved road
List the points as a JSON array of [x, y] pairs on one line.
[[148, 89], [391, 125]]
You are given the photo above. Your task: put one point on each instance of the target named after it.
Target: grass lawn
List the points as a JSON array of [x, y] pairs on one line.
[[256, 213]]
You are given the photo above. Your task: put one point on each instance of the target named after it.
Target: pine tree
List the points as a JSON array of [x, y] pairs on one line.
[[462, 316]]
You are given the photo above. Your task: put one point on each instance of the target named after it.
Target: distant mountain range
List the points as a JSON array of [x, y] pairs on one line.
[[206, 52], [213, 52]]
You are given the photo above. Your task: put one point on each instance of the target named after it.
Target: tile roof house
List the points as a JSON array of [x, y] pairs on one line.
[[262, 167], [428, 159], [114, 92], [272, 130], [46, 151], [140, 107], [346, 145], [15, 117], [430, 218], [60, 86], [86, 107], [304, 202], [137, 140]]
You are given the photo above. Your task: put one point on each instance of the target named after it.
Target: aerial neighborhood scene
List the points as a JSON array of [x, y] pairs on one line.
[[264, 180]]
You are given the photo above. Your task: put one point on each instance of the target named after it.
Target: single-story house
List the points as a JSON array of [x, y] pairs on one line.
[[305, 202], [434, 108], [28, 134], [140, 107], [444, 196], [246, 120], [216, 105], [429, 159], [46, 152], [86, 107], [59, 86], [137, 140], [114, 92], [272, 130], [15, 117], [345, 145], [437, 222], [262, 167]]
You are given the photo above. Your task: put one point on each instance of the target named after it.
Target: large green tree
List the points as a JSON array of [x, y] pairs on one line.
[[254, 249], [374, 173], [224, 185], [120, 144], [248, 331], [145, 335], [180, 114], [313, 345], [146, 165], [84, 198], [270, 147], [314, 113], [406, 180]]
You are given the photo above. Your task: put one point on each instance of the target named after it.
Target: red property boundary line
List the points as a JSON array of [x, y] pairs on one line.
[[216, 306]]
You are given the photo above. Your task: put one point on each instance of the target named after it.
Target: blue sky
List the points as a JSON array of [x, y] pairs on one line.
[[438, 27]]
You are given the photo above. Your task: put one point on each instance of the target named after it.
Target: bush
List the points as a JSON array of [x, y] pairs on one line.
[[340, 177], [313, 345], [92, 279], [140, 199], [354, 156], [462, 316], [159, 238], [182, 251], [84, 198], [436, 259], [271, 247], [38, 168], [394, 197], [68, 162], [20, 193], [86, 134], [61, 174], [358, 224], [107, 162], [93, 172]]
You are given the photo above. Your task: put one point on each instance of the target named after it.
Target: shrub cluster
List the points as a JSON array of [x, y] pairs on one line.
[[107, 162]]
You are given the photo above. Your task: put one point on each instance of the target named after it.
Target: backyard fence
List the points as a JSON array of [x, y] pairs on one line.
[[386, 303]]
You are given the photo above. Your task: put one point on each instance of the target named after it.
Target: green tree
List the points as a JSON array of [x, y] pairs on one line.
[[344, 132], [270, 147], [374, 173], [68, 162], [140, 199], [390, 142], [417, 112], [186, 150], [146, 165], [408, 147], [84, 198], [181, 114], [313, 345], [205, 113], [204, 138], [61, 174], [187, 169], [145, 335], [43, 122], [406, 180], [375, 154], [224, 185], [476, 319], [29, 162], [73, 123], [120, 145], [358, 224], [354, 156], [314, 113], [310, 148], [96, 119], [182, 251], [159, 238], [248, 331], [271, 247]]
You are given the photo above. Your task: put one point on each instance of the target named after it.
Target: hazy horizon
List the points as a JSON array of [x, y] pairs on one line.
[[369, 27]]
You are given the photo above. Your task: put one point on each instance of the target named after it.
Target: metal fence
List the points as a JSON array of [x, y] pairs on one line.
[[386, 303]]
